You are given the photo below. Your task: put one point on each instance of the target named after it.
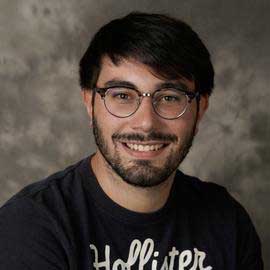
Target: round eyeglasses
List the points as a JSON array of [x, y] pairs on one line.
[[168, 103]]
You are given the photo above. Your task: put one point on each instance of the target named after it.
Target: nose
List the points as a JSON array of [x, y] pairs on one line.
[[145, 118]]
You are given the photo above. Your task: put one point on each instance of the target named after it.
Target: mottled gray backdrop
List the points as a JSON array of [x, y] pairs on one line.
[[43, 125]]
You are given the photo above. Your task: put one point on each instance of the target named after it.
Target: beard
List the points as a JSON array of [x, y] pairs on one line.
[[142, 173]]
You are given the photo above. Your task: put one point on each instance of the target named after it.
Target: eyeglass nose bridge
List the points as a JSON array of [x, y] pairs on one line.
[[141, 96], [146, 94]]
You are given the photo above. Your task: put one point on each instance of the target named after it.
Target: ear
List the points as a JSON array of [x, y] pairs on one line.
[[87, 95], [204, 103]]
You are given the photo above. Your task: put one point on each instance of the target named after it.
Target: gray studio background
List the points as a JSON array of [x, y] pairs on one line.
[[43, 125]]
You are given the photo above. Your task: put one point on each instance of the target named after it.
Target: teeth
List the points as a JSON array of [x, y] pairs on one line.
[[144, 148]]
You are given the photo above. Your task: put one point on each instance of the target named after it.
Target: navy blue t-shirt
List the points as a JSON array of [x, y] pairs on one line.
[[66, 221]]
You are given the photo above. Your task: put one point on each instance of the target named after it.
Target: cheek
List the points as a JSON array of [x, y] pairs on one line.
[[108, 124], [183, 126], [188, 118], [190, 113]]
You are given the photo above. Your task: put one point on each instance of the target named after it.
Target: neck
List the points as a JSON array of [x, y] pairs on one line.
[[138, 199]]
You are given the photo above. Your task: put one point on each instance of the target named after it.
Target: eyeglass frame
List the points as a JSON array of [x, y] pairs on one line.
[[190, 95]]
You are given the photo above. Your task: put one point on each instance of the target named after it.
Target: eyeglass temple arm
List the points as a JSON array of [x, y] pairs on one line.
[[192, 95], [101, 91]]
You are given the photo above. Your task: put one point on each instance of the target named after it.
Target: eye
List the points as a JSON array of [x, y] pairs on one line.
[[121, 94], [170, 98]]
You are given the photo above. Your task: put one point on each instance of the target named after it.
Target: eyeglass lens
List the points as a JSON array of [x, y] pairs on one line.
[[123, 102]]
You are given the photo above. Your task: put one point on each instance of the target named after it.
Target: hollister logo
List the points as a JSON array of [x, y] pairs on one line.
[[145, 255]]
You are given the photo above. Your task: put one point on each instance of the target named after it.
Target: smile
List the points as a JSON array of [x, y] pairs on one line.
[[144, 150], [145, 147]]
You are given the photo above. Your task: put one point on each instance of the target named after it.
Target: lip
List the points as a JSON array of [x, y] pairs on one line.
[[145, 143], [143, 155]]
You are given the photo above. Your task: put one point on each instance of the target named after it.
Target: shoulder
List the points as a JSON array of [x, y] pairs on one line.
[[42, 213], [211, 203], [199, 189], [25, 225], [49, 199], [49, 187], [209, 196]]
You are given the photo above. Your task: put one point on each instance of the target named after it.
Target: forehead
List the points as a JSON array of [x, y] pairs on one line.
[[134, 72]]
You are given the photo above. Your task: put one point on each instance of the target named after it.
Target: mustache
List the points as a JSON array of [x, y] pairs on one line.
[[142, 138]]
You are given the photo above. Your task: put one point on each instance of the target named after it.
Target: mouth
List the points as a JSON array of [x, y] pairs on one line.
[[145, 149]]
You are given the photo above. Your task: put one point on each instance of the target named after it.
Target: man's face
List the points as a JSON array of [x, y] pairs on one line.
[[160, 144]]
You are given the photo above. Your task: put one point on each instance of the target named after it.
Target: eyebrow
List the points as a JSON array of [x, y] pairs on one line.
[[169, 84], [116, 82], [128, 84]]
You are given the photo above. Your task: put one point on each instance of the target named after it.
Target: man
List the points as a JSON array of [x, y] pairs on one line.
[[146, 81]]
